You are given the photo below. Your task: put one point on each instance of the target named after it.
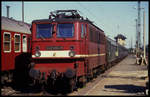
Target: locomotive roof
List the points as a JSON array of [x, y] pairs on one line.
[[66, 16], [64, 20], [14, 25]]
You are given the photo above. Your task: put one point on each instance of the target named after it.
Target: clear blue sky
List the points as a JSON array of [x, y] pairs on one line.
[[113, 17]]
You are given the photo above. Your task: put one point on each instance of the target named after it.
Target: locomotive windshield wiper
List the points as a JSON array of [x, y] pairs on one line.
[[41, 36]]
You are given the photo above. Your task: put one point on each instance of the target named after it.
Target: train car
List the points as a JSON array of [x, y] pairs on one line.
[[123, 52], [114, 52], [111, 51], [15, 47], [66, 47]]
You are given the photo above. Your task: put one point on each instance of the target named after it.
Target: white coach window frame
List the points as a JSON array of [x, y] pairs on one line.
[[6, 51], [17, 42]]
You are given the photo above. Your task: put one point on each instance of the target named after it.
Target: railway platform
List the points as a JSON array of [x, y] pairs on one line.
[[125, 78]]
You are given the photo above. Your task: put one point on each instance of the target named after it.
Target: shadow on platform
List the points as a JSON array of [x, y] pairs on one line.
[[127, 88]]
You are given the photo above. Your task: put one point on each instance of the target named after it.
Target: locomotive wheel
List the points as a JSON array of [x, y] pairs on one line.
[[82, 81], [90, 76], [95, 73], [72, 85], [37, 85]]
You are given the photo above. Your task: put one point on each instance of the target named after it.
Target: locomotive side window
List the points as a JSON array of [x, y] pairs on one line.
[[17, 43], [99, 38], [91, 34], [44, 30], [65, 30], [82, 31], [24, 43], [85, 29], [7, 42]]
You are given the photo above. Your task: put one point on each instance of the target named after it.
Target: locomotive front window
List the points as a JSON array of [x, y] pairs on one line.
[[65, 30], [44, 30]]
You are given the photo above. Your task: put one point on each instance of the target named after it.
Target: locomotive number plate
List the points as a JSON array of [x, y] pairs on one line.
[[54, 48]]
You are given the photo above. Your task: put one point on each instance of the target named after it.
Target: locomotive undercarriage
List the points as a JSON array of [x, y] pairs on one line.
[[56, 81], [53, 78], [67, 80]]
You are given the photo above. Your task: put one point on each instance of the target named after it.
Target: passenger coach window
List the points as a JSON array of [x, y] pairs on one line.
[[7, 42], [17, 43], [24, 43], [65, 30], [44, 30]]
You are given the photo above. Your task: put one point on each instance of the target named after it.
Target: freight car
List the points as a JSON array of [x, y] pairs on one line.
[[15, 47], [67, 48]]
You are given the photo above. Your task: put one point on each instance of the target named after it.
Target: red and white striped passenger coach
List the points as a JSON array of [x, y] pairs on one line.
[[15, 45]]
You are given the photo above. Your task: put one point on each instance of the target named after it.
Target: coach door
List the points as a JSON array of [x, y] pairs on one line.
[[24, 43], [7, 55]]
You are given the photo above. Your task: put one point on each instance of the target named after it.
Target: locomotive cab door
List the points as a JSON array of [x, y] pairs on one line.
[[83, 44]]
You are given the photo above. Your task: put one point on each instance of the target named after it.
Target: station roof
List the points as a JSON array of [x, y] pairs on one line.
[[120, 36]]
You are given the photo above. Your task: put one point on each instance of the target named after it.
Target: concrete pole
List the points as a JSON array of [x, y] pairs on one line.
[[136, 37], [144, 34], [139, 26], [144, 61]]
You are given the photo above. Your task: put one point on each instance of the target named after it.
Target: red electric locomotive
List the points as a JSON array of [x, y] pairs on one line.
[[66, 47], [15, 44]]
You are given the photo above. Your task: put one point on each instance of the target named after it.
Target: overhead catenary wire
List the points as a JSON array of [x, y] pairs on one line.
[[91, 14], [88, 11]]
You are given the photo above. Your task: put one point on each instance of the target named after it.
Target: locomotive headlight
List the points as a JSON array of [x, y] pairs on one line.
[[37, 54], [72, 47], [72, 53]]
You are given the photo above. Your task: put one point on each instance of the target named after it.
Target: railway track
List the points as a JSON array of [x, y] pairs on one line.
[[9, 91]]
